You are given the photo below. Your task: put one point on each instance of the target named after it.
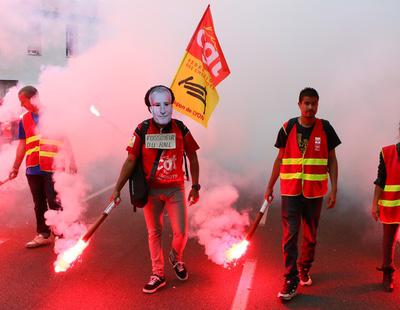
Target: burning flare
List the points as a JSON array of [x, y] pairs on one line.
[[66, 259], [236, 251]]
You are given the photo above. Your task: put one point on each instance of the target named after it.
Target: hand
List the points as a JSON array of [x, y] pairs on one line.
[[13, 173], [331, 200], [115, 197], [375, 212], [269, 194], [193, 197]]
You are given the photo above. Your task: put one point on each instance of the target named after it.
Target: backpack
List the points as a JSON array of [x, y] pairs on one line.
[[138, 186]]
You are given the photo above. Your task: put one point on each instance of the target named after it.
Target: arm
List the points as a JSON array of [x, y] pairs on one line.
[[194, 172], [126, 172], [269, 192], [375, 209], [19, 157], [380, 183], [333, 175]]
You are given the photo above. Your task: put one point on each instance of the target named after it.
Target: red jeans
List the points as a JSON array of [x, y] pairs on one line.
[[173, 199]]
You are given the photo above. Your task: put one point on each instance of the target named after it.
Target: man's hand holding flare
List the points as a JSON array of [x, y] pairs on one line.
[[193, 197], [115, 196]]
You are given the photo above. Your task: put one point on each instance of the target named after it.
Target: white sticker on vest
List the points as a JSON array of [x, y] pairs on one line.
[[317, 143], [164, 141]]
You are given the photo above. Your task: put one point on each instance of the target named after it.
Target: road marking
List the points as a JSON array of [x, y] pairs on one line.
[[98, 192], [244, 287]]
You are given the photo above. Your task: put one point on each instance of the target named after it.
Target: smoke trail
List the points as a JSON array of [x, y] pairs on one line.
[[67, 224], [10, 109], [214, 221]]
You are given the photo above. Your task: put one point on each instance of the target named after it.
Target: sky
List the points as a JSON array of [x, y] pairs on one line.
[[347, 50]]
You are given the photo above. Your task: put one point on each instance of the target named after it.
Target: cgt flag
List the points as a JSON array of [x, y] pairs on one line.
[[202, 68]]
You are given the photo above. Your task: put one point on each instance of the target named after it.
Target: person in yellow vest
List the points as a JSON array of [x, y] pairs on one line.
[[40, 155], [386, 207], [306, 156]]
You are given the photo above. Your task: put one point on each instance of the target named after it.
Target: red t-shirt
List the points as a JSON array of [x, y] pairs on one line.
[[169, 170]]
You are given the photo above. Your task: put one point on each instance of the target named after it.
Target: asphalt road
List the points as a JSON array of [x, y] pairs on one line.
[[115, 266]]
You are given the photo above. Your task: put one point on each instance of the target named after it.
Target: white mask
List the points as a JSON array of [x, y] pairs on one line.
[[161, 107]]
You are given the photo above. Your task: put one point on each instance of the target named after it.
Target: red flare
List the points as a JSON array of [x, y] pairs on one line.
[[237, 250], [66, 259]]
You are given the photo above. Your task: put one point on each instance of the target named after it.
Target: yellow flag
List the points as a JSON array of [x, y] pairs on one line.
[[203, 67]]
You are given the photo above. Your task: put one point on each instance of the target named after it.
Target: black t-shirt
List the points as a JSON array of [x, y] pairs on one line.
[[304, 133]]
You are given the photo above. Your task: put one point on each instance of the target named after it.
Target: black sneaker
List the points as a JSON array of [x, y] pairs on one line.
[[305, 279], [289, 289], [154, 284], [179, 268], [387, 281]]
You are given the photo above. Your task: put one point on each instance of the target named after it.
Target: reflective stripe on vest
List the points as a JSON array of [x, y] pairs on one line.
[[38, 151], [305, 174], [389, 201], [305, 161]]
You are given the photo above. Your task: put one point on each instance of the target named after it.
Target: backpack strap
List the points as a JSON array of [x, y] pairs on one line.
[[184, 131], [141, 132], [287, 126], [182, 127], [155, 165]]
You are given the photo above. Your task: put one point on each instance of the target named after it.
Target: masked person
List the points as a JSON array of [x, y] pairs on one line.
[[165, 180], [386, 207], [306, 156], [40, 154]]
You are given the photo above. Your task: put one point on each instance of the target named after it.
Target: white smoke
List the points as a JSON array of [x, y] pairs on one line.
[[214, 220], [67, 223]]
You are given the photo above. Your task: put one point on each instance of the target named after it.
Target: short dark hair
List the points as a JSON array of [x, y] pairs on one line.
[[158, 88], [308, 92], [29, 91]]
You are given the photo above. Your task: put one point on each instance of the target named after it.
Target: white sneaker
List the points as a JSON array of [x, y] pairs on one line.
[[38, 241]]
